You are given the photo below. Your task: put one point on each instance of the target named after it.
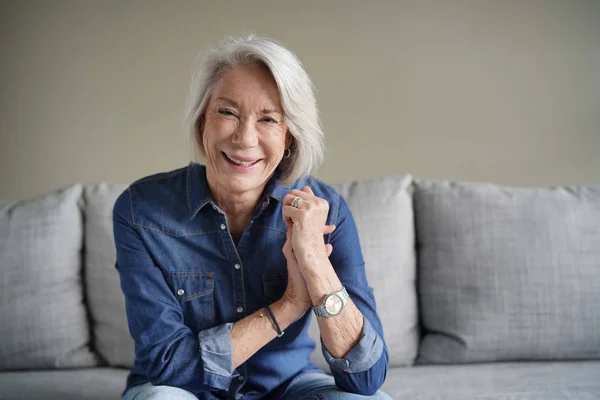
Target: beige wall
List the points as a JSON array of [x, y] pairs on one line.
[[500, 91]]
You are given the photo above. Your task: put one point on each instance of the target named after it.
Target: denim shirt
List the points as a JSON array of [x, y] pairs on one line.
[[186, 282]]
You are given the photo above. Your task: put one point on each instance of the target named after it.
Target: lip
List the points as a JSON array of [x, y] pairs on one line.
[[242, 158], [241, 167]]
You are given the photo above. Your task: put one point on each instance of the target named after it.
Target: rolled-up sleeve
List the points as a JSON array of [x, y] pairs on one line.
[[168, 350], [364, 368], [217, 355], [362, 356]]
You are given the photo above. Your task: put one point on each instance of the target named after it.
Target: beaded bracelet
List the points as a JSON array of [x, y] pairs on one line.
[[274, 321]]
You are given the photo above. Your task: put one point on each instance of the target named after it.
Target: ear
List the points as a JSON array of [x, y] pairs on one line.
[[289, 140]]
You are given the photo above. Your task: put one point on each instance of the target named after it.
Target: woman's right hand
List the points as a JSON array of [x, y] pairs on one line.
[[296, 292]]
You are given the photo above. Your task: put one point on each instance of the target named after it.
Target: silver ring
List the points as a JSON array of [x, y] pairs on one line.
[[296, 202]]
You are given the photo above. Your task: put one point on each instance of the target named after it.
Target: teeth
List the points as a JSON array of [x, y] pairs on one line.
[[240, 162]]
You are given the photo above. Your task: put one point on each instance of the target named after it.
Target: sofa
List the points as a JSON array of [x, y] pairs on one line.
[[484, 291]]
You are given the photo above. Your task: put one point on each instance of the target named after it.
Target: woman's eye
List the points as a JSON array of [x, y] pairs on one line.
[[269, 120], [226, 112]]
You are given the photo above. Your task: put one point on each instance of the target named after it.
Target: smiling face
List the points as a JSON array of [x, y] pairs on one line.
[[243, 131]]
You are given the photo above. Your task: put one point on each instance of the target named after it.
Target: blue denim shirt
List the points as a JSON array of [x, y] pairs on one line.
[[186, 282]]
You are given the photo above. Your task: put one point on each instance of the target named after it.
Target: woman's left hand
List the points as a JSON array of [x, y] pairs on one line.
[[308, 220]]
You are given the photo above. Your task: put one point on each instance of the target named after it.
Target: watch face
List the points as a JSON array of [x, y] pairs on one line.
[[334, 304]]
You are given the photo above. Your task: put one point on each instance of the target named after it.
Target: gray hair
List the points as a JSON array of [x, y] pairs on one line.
[[295, 88]]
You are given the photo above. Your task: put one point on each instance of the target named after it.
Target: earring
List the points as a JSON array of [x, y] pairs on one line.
[[287, 153]]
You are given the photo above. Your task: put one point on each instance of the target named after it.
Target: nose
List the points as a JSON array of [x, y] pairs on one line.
[[245, 135]]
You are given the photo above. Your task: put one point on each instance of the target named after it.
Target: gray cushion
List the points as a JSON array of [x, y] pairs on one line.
[[43, 317], [382, 209], [502, 381], [508, 274], [106, 301], [75, 384]]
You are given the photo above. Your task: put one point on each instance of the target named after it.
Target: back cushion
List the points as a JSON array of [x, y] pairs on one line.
[[106, 300], [43, 317], [508, 274], [382, 210]]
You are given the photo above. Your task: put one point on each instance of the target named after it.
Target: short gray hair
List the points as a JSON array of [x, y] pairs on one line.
[[295, 88]]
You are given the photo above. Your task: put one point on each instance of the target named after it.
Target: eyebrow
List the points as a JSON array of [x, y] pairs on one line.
[[232, 102], [237, 105]]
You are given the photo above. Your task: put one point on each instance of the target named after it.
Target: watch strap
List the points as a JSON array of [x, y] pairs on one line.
[[319, 311]]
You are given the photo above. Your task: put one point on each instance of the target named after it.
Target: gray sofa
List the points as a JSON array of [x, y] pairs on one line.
[[485, 292]]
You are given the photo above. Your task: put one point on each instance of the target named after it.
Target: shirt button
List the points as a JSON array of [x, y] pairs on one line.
[[223, 226], [240, 310], [180, 292], [237, 266], [264, 204], [240, 378]]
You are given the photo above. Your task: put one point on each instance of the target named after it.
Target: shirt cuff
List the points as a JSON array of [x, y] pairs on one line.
[[217, 356], [362, 356]]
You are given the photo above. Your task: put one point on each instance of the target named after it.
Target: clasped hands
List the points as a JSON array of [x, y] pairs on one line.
[[304, 248]]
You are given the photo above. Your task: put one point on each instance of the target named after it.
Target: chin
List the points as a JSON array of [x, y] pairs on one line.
[[242, 184]]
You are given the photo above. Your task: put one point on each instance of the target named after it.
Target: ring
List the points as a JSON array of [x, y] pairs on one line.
[[296, 202]]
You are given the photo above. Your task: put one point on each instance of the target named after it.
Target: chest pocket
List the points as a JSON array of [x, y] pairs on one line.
[[273, 287], [195, 293]]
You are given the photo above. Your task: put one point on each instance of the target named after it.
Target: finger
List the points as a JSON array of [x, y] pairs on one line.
[[328, 229], [328, 249], [291, 212], [298, 193], [289, 200], [287, 221], [307, 189], [288, 213], [302, 193]]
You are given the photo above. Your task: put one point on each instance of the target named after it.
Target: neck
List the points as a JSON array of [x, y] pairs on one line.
[[238, 206]]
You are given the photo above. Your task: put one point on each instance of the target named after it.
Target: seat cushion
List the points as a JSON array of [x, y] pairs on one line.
[[514, 381], [75, 384], [382, 210], [508, 273], [106, 300], [44, 322]]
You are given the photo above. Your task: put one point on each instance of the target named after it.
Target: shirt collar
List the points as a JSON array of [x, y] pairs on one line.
[[275, 189], [199, 194]]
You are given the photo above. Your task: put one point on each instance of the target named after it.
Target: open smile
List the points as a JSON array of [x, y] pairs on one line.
[[245, 163]]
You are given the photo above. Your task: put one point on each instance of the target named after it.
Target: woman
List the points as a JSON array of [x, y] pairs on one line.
[[220, 263]]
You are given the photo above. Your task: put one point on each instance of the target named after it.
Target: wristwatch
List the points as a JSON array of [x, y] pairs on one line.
[[333, 303]]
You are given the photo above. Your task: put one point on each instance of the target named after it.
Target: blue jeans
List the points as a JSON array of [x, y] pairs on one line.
[[147, 391], [320, 386], [308, 386]]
